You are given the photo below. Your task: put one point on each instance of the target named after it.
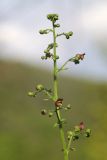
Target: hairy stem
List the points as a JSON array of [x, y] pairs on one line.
[[56, 97]]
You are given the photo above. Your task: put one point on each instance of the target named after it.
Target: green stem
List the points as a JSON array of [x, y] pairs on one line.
[[48, 94], [69, 144], [62, 67], [56, 97]]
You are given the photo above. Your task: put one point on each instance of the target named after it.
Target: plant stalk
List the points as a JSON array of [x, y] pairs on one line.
[[62, 136]]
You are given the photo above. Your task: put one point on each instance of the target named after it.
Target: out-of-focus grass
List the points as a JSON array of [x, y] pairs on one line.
[[25, 134]]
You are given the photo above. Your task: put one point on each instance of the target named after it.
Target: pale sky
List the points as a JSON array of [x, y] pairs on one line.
[[20, 22]]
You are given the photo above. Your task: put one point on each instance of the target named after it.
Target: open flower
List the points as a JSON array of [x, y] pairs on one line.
[[58, 102], [80, 56]]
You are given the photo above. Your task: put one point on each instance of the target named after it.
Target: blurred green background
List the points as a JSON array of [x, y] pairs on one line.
[[25, 134]]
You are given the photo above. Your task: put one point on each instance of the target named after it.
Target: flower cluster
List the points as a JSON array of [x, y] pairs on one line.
[[47, 52], [77, 58], [78, 130], [68, 35], [52, 17]]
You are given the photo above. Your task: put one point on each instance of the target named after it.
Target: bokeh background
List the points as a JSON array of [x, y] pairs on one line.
[[24, 133]]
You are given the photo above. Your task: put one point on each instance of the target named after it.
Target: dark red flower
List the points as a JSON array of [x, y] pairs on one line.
[[58, 102], [81, 126]]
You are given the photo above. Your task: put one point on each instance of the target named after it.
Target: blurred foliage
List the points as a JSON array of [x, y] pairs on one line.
[[25, 134]]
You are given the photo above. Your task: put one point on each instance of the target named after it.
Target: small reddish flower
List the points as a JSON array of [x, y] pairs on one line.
[[80, 56], [81, 126], [58, 102]]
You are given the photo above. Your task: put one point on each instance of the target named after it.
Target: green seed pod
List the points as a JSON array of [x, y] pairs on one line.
[[57, 57], [39, 87], [67, 36], [75, 137], [50, 114], [41, 31], [43, 112], [88, 132], [68, 137], [70, 33]]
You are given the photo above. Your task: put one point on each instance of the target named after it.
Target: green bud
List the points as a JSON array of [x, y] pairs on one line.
[[57, 57], [46, 51], [31, 94], [50, 46], [43, 57], [50, 114], [72, 149], [56, 25], [43, 32], [77, 128], [39, 87], [70, 133], [52, 17], [70, 33], [68, 106], [69, 137]]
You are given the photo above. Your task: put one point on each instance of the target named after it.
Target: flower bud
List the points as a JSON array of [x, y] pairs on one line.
[[56, 25], [43, 32], [77, 128], [39, 87], [68, 106], [43, 57], [52, 17], [70, 33], [31, 94]]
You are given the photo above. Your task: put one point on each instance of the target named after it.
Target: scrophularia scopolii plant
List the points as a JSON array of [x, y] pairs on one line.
[[58, 107]]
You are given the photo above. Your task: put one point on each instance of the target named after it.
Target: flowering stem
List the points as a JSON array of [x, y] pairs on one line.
[[56, 97]]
